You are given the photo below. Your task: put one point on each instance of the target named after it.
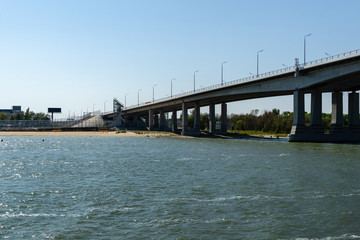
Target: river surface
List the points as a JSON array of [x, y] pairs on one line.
[[174, 188]]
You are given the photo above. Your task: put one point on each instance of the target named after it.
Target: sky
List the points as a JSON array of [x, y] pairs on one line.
[[79, 55]]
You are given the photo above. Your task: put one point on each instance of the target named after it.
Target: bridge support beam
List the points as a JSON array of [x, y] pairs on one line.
[[151, 120], [174, 121], [299, 113], [135, 121], [354, 121], [337, 119], [212, 121], [156, 121], [126, 120], [196, 130], [184, 120], [316, 112], [162, 120], [223, 118], [338, 133]]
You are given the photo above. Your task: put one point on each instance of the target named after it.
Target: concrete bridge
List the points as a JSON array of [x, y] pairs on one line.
[[336, 74]]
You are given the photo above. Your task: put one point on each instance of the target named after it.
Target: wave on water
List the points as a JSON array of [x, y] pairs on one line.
[[52, 215], [262, 197], [342, 237], [184, 159]]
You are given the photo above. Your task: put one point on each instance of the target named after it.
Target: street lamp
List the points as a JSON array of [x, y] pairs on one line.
[[308, 35], [172, 86], [125, 100], [257, 62], [194, 78], [153, 91], [138, 95], [222, 72]]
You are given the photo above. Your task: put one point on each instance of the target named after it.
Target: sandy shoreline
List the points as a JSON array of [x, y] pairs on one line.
[[148, 134], [83, 134]]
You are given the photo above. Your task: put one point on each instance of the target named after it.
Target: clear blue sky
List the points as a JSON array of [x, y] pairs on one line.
[[74, 54]]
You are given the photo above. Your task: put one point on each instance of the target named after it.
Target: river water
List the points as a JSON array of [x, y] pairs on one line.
[[174, 188]]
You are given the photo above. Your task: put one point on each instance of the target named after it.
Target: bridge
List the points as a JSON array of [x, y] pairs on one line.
[[336, 74]]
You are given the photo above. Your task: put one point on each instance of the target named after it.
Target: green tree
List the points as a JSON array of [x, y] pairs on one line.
[[41, 116], [3, 116]]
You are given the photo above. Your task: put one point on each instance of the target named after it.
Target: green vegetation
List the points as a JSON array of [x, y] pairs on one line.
[[121, 131], [270, 122], [28, 115]]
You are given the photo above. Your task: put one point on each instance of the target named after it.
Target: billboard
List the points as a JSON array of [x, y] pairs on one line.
[[54, 110]]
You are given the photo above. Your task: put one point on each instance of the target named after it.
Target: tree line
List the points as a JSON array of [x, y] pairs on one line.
[[27, 115], [270, 121]]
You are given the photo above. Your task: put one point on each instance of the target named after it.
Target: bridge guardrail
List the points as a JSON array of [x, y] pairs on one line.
[[258, 77]]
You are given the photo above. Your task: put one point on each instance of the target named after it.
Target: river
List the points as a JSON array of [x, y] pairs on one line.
[[174, 188]]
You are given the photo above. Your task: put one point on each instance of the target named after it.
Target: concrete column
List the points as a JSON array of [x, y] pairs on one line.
[[299, 113], [156, 121], [151, 119], [223, 118], [162, 120], [135, 121], [212, 121], [184, 120], [354, 121], [337, 119], [197, 117], [126, 120], [316, 112], [174, 121]]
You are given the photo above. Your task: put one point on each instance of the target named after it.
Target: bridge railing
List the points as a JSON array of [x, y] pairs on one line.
[[332, 58], [260, 76]]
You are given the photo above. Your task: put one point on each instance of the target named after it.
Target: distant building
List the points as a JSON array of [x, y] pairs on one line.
[[15, 109]]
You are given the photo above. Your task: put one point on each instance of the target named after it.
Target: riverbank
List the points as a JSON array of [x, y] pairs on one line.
[[85, 134], [151, 134]]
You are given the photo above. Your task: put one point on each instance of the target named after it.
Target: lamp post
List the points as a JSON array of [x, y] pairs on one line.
[[308, 35], [222, 72], [138, 95], [154, 91], [105, 106], [257, 62], [125, 99], [194, 78], [172, 86]]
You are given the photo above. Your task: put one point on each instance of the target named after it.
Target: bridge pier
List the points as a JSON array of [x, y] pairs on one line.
[[196, 129], [316, 112], [337, 119], [298, 126], [354, 121], [223, 128], [126, 120], [212, 121], [135, 121], [184, 120], [162, 120], [151, 120], [156, 121], [174, 121], [315, 133]]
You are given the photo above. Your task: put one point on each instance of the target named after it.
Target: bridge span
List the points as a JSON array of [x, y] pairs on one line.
[[337, 75]]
